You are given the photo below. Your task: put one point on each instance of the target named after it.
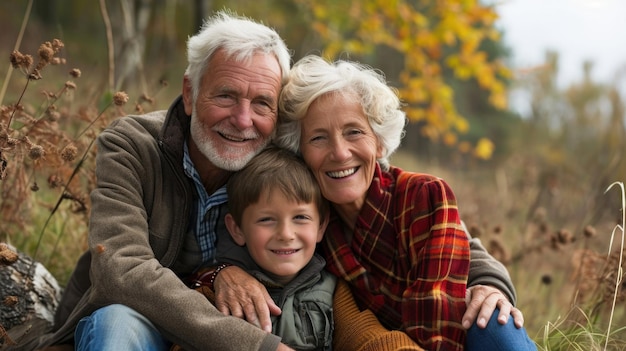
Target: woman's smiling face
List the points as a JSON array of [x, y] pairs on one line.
[[340, 147]]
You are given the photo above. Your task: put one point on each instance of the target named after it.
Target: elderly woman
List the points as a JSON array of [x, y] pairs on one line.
[[395, 236]]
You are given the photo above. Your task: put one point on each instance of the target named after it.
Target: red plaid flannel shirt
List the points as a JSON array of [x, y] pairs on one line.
[[408, 258]]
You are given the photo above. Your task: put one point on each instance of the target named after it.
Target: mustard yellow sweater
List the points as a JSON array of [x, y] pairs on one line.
[[357, 330]]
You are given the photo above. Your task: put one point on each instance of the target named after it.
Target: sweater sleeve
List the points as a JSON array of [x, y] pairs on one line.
[[486, 270], [433, 302], [357, 330]]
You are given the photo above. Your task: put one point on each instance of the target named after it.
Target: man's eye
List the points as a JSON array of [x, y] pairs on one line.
[[225, 100], [263, 107]]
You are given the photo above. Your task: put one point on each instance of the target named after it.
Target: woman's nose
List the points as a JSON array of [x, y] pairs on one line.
[[340, 149]]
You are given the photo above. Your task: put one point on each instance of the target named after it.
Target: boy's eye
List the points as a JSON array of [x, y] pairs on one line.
[[301, 218], [264, 219]]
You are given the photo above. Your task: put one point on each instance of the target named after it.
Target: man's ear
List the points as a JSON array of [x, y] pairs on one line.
[[187, 95], [234, 230], [322, 228]]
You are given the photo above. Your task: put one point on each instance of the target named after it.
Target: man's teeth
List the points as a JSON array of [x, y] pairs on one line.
[[341, 174], [233, 138]]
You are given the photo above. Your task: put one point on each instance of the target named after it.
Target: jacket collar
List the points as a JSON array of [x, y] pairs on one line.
[[175, 130]]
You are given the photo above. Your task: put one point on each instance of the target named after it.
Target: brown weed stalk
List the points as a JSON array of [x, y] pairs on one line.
[[599, 288], [18, 42], [46, 152]]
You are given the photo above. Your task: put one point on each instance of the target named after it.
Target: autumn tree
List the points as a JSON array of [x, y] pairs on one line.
[[430, 37]]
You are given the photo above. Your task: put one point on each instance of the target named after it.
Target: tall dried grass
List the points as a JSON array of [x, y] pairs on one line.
[[600, 288], [47, 158]]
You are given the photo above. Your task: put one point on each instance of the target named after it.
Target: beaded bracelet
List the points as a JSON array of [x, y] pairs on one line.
[[214, 274]]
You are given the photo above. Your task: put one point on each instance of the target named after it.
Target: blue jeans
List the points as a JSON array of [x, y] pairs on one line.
[[117, 327], [498, 337]]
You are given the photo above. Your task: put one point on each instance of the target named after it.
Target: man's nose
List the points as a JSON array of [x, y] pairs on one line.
[[241, 114]]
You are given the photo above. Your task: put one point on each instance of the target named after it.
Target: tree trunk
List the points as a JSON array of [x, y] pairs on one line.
[[29, 296], [131, 21]]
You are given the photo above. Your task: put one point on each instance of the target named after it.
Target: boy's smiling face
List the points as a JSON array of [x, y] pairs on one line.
[[280, 233]]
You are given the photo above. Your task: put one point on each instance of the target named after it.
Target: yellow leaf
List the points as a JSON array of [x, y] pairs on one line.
[[499, 100], [461, 125], [449, 138], [465, 147], [429, 132], [484, 149]]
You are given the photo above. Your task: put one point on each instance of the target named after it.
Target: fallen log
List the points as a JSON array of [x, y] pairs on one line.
[[29, 296]]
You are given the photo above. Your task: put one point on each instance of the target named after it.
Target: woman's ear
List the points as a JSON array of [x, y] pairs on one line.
[[379, 149], [234, 230]]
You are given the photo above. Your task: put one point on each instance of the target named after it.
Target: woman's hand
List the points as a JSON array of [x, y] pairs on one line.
[[482, 300], [239, 294]]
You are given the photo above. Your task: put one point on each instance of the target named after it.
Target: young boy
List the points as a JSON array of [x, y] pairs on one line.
[[277, 212]]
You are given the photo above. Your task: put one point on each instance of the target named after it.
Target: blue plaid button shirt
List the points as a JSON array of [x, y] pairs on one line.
[[207, 211]]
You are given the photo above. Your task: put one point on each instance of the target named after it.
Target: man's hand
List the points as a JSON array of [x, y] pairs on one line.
[[482, 301], [239, 294]]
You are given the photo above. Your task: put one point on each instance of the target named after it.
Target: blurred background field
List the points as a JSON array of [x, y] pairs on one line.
[[530, 154]]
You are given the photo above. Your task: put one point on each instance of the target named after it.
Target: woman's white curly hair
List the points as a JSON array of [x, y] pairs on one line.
[[312, 77]]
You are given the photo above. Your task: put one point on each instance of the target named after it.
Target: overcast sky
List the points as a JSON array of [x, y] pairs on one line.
[[578, 30]]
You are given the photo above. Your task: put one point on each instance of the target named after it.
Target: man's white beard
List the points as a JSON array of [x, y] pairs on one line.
[[229, 160]]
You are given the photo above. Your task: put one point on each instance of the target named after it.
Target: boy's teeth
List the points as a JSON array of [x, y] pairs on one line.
[[283, 252]]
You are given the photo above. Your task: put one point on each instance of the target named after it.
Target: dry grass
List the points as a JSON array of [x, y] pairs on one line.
[[47, 156], [569, 281]]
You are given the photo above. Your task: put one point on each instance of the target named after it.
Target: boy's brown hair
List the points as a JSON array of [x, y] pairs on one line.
[[274, 168]]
